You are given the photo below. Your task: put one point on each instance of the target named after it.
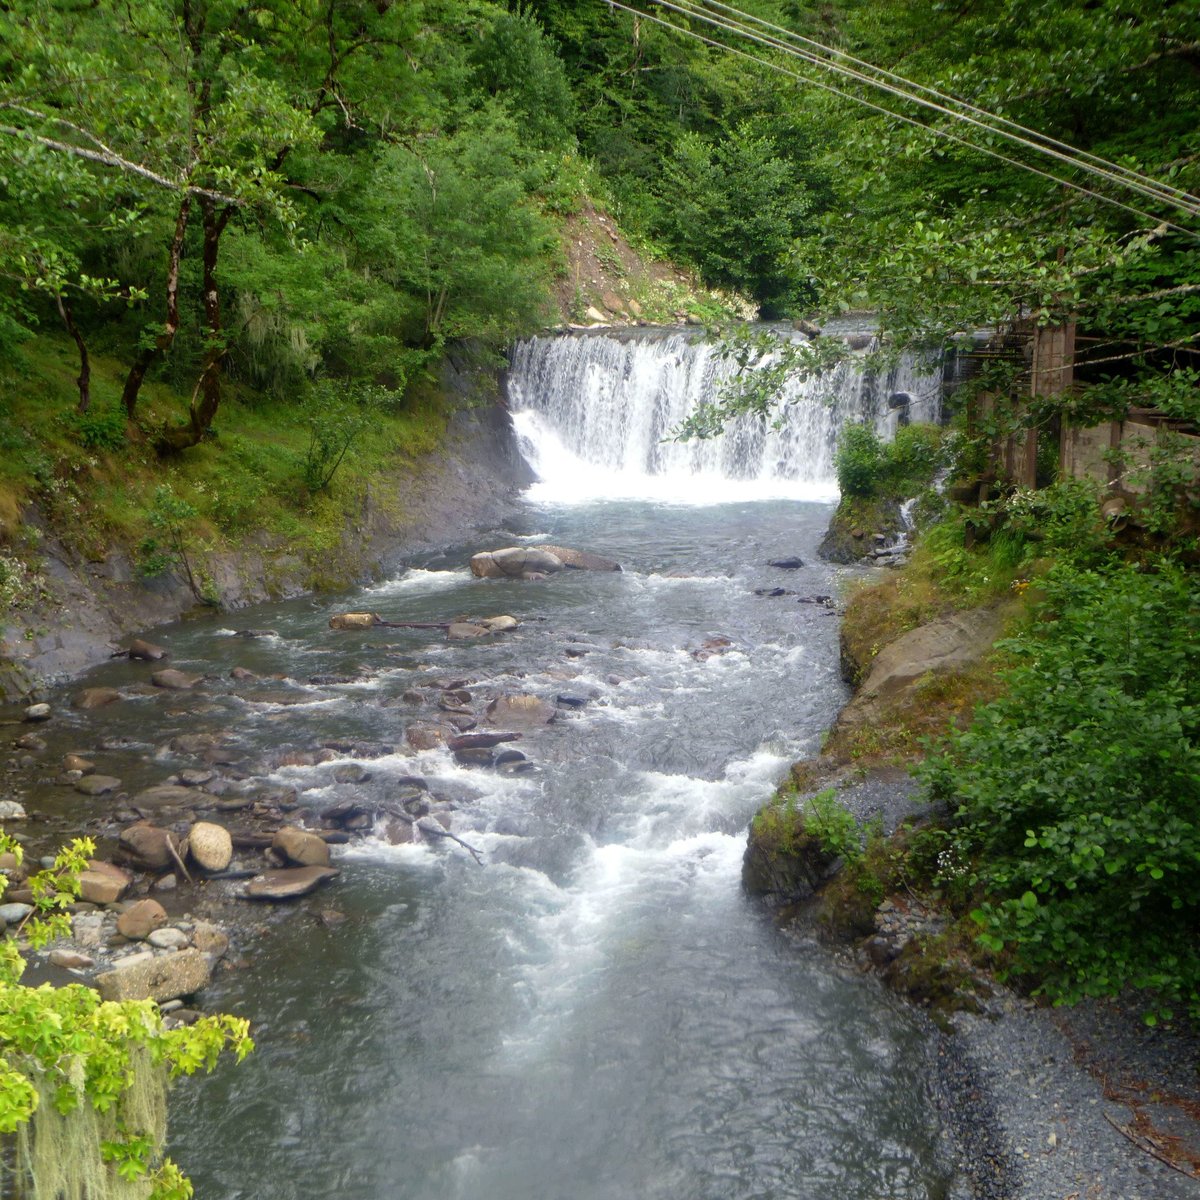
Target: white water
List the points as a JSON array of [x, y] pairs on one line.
[[596, 415]]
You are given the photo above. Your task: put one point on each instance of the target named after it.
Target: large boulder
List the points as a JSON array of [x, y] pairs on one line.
[[515, 562], [141, 919], [210, 846], [148, 845], [783, 861], [581, 560], [300, 847], [102, 883], [175, 681], [146, 651], [97, 785], [163, 977], [288, 884]]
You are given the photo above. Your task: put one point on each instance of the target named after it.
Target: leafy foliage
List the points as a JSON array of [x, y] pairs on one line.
[[1075, 793]]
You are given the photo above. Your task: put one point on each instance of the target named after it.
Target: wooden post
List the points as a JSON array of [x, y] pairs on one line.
[[1053, 372]]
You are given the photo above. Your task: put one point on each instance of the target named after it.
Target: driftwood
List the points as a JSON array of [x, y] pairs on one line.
[[179, 861], [1142, 1143], [433, 828]]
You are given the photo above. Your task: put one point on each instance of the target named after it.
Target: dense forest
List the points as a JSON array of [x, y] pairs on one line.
[[239, 240]]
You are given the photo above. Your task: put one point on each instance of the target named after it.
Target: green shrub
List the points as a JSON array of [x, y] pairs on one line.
[[102, 427], [915, 456], [1075, 794], [859, 461]]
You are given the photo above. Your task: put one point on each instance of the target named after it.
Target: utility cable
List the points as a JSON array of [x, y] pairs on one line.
[[1167, 191], [900, 117], [688, 9]]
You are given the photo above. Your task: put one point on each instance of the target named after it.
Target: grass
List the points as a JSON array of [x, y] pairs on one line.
[[95, 480]]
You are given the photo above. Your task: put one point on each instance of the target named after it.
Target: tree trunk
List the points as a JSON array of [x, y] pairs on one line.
[[84, 381], [206, 398], [162, 343]]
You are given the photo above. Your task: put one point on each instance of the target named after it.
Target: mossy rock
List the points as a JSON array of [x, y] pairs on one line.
[[783, 860], [852, 529]]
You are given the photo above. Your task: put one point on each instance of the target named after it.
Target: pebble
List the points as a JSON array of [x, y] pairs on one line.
[[168, 939]]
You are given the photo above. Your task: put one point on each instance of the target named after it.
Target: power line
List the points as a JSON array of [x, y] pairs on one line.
[[689, 8], [931, 130], [1167, 191]]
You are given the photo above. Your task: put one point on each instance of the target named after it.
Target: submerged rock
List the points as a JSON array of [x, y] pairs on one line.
[[95, 697], [581, 560], [288, 883], [520, 710], [146, 651], [515, 562], [174, 680]]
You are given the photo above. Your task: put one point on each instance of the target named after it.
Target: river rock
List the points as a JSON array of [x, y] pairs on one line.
[[146, 651], [786, 564], [102, 883], [30, 741], [808, 328], [175, 681], [710, 647], [288, 883], [70, 960], [351, 773], [242, 673], [169, 938], [95, 697], [10, 810], [210, 939], [475, 756], [465, 631], [300, 847], [172, 795], [354, 620], [581, 560], [141, 919], [501, 624], [37, 712], [515, 562], [76, 762], [473, 741], [521, 710], [160, 978], [210, 846], [97, 785], [426, 737], [149, 845], [14, 914]]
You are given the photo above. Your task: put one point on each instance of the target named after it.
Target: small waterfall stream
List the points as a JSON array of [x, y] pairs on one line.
[[598, 1012], [596, 413]]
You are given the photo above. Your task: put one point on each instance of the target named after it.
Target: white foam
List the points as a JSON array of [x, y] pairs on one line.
[[418, 581]]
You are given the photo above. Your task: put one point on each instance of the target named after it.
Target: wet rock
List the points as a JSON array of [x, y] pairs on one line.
[[581, 560], [520, 710], [475, 756], [10, 810], [354, 620], [394, 830], [710, 647], [515, 562], [161, 978], [175, 681], [331, 918], [97, 785], [165, 883], [505, 758], [87, 927], [282, 697], [146, 651], [786, 564], [14, 914], [515, 766], [463, 631], [70, 960], [148, 845], [171, 795], [783, 860], [169, 938], [242, 673], [300, 847], [501, 624], [475, 741], [210, 846], [37, 712], [289, 883], [196, 777], [102, 883], [808, 328], [95, 697], [568, 701], [76, 762], [778, 591], [141, 919], [256, 633], [209, 939], [196, 743], [351, 773], [30, 741], [426, 737]]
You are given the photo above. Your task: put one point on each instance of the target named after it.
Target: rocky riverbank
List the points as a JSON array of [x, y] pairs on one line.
[[89, 605], [1086, 1102]]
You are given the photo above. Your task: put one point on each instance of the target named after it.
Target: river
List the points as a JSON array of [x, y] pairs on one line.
[[597, 1012]]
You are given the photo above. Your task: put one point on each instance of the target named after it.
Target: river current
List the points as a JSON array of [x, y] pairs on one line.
[[597, 1012]]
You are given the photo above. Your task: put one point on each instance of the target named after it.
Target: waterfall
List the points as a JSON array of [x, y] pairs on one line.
[[595, 414]]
